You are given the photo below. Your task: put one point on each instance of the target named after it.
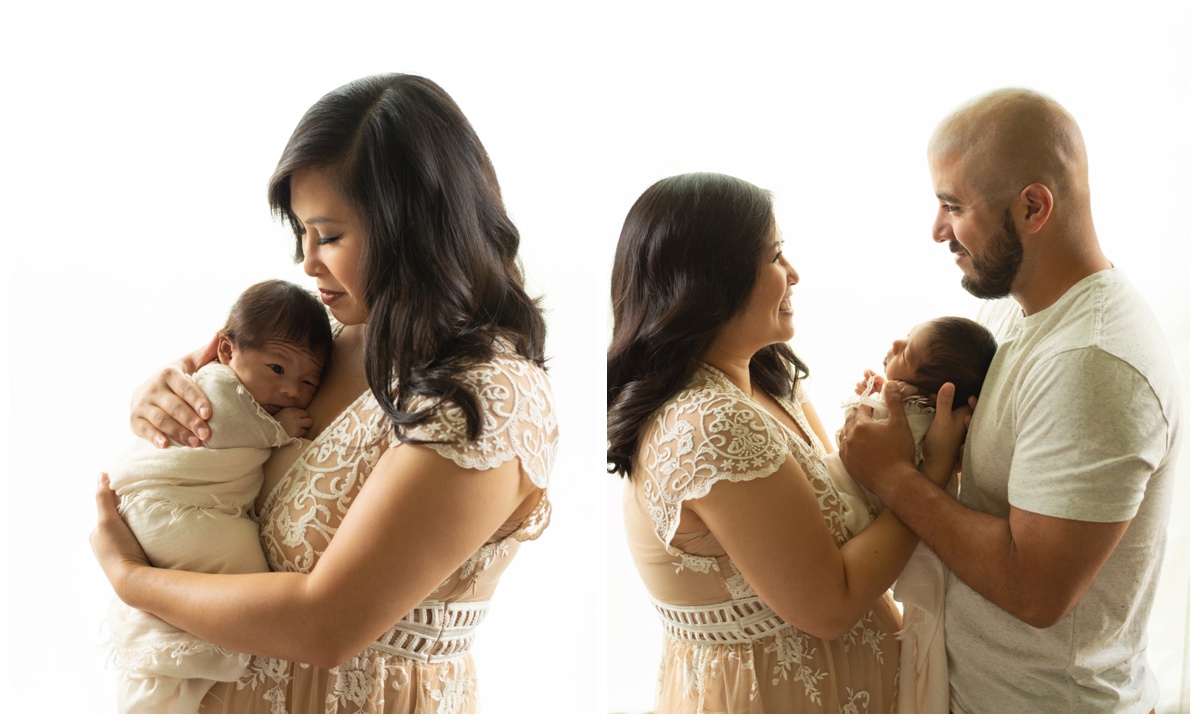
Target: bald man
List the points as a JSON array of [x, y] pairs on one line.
[[1056, 539]]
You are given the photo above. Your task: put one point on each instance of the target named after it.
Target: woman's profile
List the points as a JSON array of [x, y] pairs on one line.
[[433, 432], [768, 602]]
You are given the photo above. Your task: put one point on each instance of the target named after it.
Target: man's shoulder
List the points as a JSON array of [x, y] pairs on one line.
[[1101, 332], [1104, 312]]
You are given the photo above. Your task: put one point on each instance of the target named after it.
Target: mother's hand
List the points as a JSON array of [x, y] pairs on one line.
[[170, 405], [113, 544]]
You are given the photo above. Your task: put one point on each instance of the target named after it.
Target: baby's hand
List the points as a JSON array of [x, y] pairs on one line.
[[876, 385], [295, 421]]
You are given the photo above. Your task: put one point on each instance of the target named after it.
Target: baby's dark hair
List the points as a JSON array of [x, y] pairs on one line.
[[279, 311], [959, 351]]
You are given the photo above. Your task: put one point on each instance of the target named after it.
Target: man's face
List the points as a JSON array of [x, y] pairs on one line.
[[986, 245]]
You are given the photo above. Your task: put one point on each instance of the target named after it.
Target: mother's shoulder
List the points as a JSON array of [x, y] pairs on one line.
[[709, 405], [516, 418], [506, 372]]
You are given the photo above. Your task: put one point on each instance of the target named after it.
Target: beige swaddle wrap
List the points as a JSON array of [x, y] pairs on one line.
[[189, 508], [921, 588]]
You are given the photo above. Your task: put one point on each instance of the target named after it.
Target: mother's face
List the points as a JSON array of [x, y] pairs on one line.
[[767, 317], [333, 244]]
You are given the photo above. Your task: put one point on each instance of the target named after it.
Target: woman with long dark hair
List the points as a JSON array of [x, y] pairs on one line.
[[432, 439], [768, 603]]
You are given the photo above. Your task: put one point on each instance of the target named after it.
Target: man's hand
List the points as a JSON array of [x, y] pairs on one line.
[[943, 445], [873, 451], [295, 421]]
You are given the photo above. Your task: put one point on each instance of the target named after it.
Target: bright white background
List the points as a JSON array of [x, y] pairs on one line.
[[139, 139], [831, 109]]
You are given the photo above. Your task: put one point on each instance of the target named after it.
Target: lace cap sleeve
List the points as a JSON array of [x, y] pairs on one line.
[[704, 436], [518, 420]]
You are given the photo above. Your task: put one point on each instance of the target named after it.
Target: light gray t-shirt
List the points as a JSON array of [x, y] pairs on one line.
[[1078, 419]]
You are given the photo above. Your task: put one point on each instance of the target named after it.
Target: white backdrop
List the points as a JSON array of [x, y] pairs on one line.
[[831, 109], [139, 139], [143, 137]]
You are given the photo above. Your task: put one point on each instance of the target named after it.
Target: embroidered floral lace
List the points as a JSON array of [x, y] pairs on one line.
[[422, 664], [724, 650]]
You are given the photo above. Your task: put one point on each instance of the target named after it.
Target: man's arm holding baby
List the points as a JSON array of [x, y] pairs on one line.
[[1033, 566]]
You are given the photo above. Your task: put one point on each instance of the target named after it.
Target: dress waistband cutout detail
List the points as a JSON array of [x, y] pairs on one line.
[[731, 622], [434, 631]]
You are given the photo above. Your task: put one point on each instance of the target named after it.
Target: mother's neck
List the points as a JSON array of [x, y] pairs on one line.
[[733, 364]]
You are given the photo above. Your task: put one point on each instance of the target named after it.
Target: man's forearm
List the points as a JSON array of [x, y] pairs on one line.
[[976, 547]]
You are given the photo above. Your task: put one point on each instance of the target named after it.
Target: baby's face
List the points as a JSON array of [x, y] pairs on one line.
[[906, 356], [277, 375]]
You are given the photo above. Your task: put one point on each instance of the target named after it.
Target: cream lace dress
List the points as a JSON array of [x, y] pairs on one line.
[[423, 663], [724, 650]]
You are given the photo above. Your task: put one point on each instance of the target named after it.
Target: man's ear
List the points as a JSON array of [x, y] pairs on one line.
[[1035, 202], [224, 349]]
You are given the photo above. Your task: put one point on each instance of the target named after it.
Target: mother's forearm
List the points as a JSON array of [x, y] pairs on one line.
[[266, 614]]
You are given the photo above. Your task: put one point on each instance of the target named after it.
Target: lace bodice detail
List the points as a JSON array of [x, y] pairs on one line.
[[422, 663], [724, 649], [712, 432], [302, 512]]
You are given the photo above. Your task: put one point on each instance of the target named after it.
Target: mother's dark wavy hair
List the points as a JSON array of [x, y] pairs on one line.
[[689, 255], [440, 275]]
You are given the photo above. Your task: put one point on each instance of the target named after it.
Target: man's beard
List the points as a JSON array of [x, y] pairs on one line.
[[997, 270]]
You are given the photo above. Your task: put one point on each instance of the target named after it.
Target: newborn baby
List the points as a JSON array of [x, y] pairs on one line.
[[190, 507], [946, 349]]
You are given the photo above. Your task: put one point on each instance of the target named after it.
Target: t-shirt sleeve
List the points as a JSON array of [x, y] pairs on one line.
[[237, 420], [1092, 431], [518, 420], [701, 438]]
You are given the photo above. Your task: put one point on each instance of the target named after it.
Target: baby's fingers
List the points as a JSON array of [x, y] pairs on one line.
[[871, 382]]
